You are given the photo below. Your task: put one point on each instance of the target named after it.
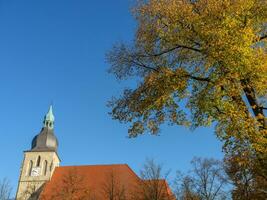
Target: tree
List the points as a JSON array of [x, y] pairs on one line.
[[207, 54], [72, 187], [112, 188], [31, 192], [247, 185], [5, 189], [185, 188], [206, 181], [152, 185]]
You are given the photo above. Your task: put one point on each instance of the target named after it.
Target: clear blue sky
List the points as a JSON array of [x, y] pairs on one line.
[[54, 50]]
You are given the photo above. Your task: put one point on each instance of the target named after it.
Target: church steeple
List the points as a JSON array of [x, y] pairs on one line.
[[40, 161], [49, 118], [46, 139]]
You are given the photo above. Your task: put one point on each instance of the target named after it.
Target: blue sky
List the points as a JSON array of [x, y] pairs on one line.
[[54, 51]]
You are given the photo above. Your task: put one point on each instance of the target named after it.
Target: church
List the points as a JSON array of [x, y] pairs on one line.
[[42, 177]]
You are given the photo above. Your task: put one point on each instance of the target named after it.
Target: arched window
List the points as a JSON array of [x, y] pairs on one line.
[[45, 168], [51, 166], [30, 168], [38, 161]]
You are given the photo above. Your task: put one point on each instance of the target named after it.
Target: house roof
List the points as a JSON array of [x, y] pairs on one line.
[[93, 180]]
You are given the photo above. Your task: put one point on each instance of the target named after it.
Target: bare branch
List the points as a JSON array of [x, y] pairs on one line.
[[5, 189]]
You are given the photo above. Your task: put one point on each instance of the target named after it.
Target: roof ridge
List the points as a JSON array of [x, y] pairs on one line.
[[66, 166], [102, 165]]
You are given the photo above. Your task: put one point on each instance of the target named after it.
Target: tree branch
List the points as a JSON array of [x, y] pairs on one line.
[[178, 46], [206, 79], [143, 65], [218, 110], [252, 100], [140, 64], [263, 37]]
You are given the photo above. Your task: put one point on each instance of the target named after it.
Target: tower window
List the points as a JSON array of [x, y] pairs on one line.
[[51, 166], [38, 161], [30, 168], [45, 167]]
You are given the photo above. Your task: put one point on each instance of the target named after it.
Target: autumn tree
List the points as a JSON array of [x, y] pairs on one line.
[[112, 188], [5, 189], [152, 185], [209, 55], [71, 187], [247, 185]]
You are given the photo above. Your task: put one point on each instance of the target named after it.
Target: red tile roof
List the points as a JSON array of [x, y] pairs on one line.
[[95, 180]]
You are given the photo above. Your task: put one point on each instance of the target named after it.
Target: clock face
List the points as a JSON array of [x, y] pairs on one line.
[[35, 171]]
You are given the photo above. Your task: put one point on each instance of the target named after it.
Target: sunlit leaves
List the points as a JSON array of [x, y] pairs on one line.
[[199, 62]]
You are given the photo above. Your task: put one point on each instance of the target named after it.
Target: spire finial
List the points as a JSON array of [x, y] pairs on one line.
[[49, 118]]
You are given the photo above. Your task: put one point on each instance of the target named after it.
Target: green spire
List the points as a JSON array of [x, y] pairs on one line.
[[49, 118]]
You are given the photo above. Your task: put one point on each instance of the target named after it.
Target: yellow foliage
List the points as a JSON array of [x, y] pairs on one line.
[[199, 62]]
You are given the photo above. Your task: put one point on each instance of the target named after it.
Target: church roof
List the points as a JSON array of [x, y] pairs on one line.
[[45, 141], [95, 180]]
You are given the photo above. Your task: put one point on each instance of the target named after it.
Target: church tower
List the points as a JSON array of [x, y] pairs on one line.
[[39, 162]]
